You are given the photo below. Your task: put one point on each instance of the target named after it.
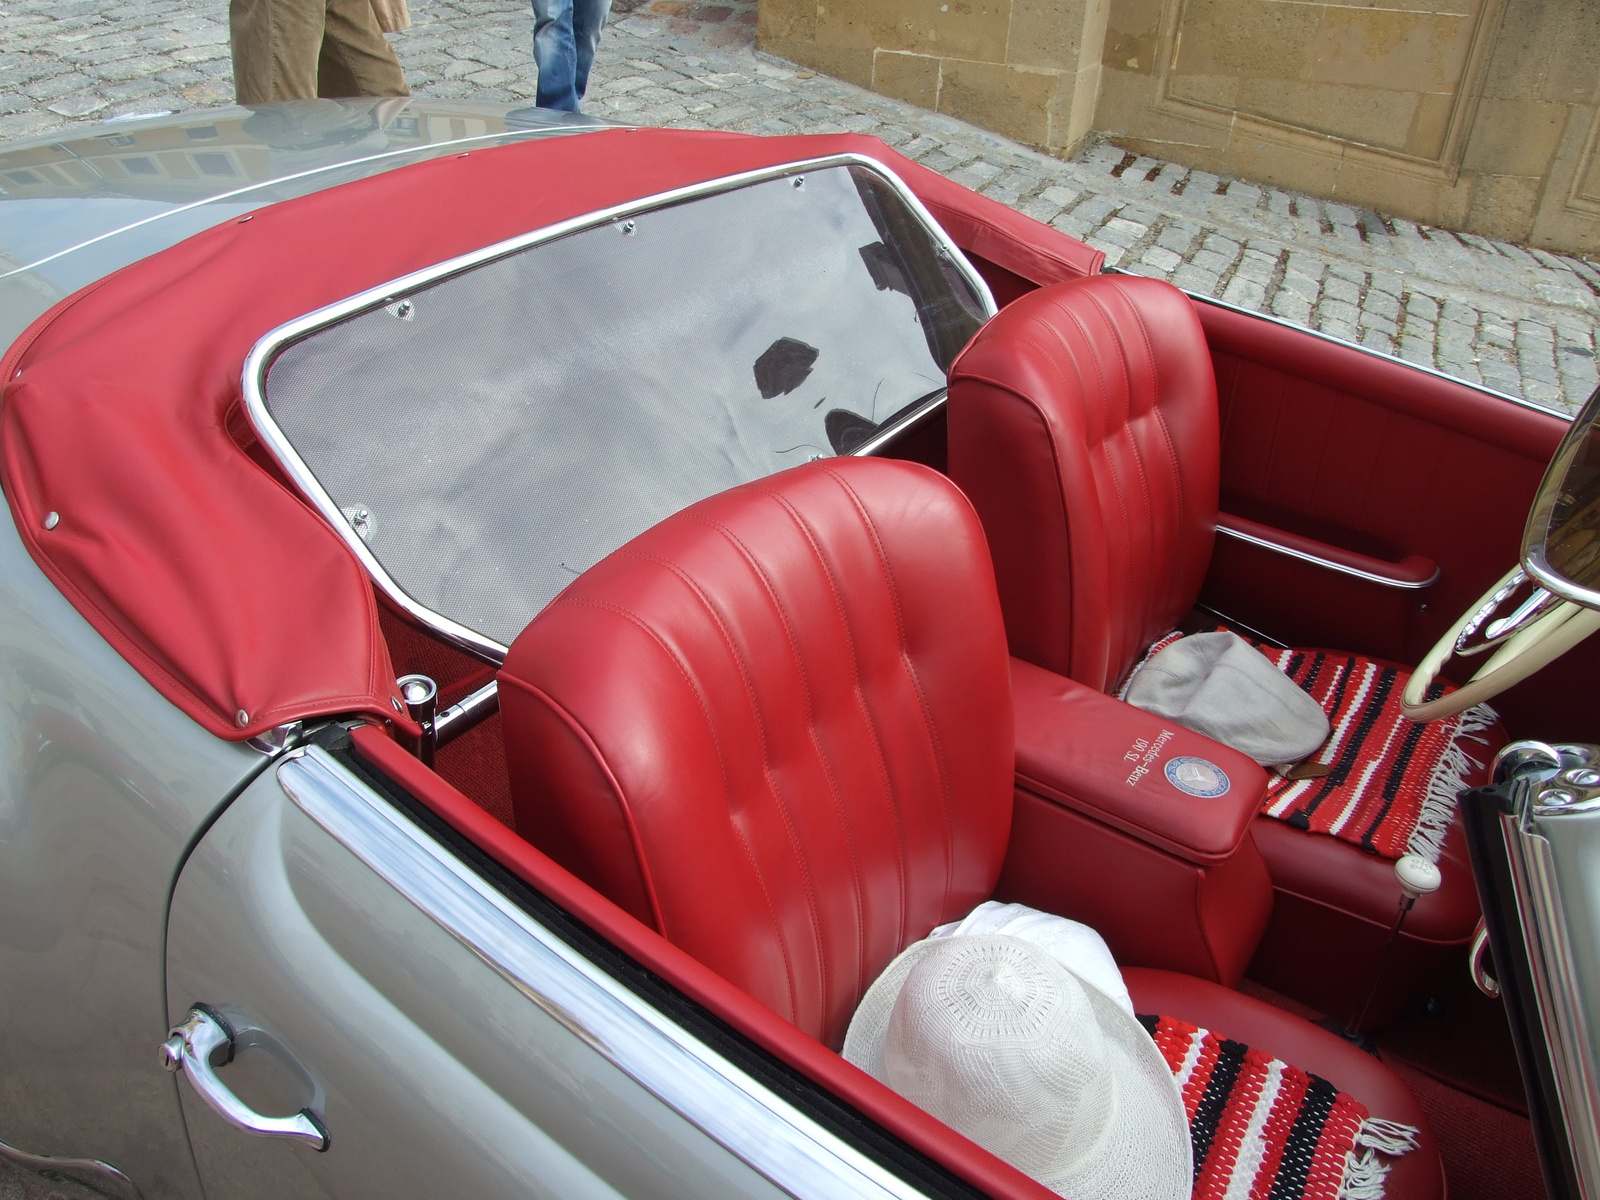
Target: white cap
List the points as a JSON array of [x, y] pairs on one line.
[[996, 1038]]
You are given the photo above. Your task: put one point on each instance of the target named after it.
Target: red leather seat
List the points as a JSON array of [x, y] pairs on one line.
[[1083, 426], [777, 728]]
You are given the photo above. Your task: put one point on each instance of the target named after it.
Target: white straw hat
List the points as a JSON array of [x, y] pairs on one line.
[[996, 1038]]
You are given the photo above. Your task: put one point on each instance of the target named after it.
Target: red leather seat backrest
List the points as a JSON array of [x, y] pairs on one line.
[[1083, 426], [777, 727]]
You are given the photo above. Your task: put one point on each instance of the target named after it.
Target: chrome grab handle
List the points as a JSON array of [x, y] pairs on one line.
[[1487, 983], [189, 1048]]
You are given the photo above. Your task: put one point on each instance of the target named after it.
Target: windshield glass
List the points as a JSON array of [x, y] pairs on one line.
[[491, 435], [1564, 528]]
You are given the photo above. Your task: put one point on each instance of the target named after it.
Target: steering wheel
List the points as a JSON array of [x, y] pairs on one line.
[[1538, 631]]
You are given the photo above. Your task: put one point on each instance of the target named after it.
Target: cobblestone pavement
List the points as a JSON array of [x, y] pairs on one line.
[[1518, 320]]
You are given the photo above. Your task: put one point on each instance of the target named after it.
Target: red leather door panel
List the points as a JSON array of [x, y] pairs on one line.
[[1367, 454]]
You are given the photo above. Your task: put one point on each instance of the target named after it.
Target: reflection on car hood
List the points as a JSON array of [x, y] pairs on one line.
[[74, 209]]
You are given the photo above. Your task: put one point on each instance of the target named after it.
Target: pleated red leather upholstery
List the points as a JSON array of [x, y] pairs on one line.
[[1094, 398], [777, 728]]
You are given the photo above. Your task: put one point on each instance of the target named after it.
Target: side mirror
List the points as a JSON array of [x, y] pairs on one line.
[[1561, 545]]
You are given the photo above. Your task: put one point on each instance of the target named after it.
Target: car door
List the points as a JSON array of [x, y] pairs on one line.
[[380, 991]]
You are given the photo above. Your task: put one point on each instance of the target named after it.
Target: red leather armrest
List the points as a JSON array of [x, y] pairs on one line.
[[1413, 571], [1108, 760]]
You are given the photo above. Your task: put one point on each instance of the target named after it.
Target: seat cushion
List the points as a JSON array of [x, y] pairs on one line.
[[777, 728], [1418, 1175], [1374, 752], [1083, 425]]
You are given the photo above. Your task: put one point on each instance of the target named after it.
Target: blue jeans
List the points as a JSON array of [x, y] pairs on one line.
[[565, 34]]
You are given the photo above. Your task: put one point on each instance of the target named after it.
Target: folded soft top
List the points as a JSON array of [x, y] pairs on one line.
[[128, 465]]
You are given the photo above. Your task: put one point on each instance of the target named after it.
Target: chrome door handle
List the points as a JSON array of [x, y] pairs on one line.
[[1487, 983], [189, 1048]]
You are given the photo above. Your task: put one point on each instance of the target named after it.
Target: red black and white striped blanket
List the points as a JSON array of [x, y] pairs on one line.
[[1391, 784], [1263, 1130]]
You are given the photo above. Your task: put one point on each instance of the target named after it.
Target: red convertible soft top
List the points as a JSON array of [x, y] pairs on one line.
[[126, 460]]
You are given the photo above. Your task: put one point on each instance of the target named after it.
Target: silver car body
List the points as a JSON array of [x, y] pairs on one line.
[[145, 864], [452, 1038]]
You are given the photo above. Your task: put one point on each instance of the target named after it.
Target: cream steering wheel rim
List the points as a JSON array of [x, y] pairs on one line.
[[1544, 640]]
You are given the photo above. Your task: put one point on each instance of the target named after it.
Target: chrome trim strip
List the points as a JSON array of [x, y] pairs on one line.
[[442, 148], [911, 420], [1339, 341], [753, 1123], [91, 1173], [1547, 941], [467, 713], [261, 355], [1328, 564]]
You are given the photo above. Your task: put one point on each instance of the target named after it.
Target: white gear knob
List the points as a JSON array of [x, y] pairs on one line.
[[1417, 875]]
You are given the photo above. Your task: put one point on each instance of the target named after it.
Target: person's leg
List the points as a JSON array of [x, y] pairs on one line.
[[588, 19], [555, 54], [356, 58], [274, 46]]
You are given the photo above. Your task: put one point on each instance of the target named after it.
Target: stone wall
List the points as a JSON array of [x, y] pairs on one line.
[[1481, 115]]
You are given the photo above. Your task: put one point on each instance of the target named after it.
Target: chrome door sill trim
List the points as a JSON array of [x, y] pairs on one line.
[[749, 1120], [91, 1173], [259, 361], [1328, 564]]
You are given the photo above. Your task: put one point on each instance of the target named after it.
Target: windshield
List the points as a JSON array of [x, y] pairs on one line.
[[491, 435]]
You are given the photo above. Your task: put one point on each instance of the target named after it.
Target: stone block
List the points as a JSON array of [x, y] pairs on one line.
[[1503, 205], [1417, 350], [1514, 137], [1162, 259], [1291, 306], [1246, 293], [1376, 339], [1420, 305], [1339, 288], [1121, 233], [905, 76], [1063, 35], [80, 104], [1194, 278], [1382, 304], [1339, 311], [1178, 236], [1302, 286], [1370, 320], [1019, 102], [962, 30]]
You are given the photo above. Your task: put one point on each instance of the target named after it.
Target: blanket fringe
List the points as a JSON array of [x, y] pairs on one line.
[[1364, 1172], [1364, 1176], [1449, 778], [1386, 1137]]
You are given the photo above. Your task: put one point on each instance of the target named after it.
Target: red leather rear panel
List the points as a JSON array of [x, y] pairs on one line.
[[777, 728]]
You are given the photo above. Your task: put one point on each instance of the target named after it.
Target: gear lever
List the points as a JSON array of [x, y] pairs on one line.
[[1417, 878]]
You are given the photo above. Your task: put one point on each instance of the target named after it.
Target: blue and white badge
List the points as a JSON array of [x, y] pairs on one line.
[[1197, 777]]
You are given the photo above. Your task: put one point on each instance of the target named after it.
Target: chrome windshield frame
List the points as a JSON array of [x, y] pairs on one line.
[[260, 359]]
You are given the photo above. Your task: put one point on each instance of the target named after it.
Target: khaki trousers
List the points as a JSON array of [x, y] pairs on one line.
[[303, 49]]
